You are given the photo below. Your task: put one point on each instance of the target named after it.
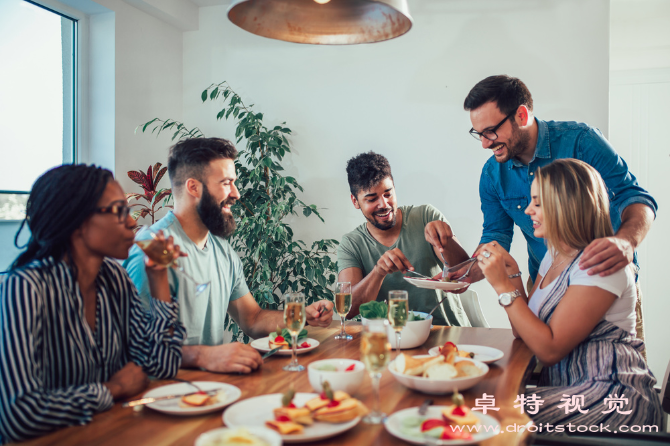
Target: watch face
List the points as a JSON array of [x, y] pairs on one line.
[[505, 299]]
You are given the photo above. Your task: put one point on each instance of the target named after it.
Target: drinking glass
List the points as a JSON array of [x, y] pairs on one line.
[[161, 256], [342, 306], [375, 351], [294, 318], [397, 315]]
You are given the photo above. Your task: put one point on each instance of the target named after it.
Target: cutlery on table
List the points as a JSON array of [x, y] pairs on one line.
[[144, 401], [271, 352], [189, 383]]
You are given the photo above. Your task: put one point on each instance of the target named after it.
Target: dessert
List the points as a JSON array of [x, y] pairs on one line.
[[196, 399], [458, 413]]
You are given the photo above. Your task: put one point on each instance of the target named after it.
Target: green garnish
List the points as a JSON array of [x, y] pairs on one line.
[[374, 310], [284, 333]]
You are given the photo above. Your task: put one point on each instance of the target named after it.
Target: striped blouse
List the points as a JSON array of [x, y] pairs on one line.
[[53, 366]]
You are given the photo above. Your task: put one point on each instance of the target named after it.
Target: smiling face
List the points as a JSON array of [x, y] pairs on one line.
[[378, 204], [103, 234], [218, 195], [511, 142], [534, 210]]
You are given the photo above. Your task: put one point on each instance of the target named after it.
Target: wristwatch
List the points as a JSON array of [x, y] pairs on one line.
[[506, 299]]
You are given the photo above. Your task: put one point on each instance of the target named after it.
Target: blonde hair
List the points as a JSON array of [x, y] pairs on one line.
[[574, 202]]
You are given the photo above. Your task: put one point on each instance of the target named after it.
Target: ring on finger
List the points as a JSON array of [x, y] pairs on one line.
[[486, 254]]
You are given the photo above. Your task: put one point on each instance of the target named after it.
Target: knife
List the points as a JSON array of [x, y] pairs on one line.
[[271, 352], [144, 401]]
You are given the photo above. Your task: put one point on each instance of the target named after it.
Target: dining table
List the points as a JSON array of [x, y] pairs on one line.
[[505, 380]]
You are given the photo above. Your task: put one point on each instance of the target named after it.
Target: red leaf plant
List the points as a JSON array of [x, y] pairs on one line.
[[152, 194]]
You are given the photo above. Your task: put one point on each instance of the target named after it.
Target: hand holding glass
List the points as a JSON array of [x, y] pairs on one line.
[[294, 318], [342, 306]]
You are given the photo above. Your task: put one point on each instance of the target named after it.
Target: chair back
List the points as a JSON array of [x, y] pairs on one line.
[[665, 391], [473, 309]]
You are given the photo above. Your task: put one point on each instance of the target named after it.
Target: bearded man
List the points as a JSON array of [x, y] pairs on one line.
[[202, 174], [393, 240]]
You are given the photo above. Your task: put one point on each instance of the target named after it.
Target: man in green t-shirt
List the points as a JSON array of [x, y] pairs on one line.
[[393, 240]]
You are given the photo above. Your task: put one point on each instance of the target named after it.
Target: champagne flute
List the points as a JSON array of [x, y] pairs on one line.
[[294, 318], [375, 351], [397, 315], [161, 256], [342, 306]]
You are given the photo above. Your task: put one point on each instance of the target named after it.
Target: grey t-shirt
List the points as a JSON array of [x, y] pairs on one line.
[[358, 249], [202, 315]]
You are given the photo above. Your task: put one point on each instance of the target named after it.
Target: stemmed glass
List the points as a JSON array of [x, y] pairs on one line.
[[342, 306], [397, 315], [375, 351], [294, 318], [163, 257]]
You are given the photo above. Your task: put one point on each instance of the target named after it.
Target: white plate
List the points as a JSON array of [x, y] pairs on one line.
[[271, 437], [228, 394], [435, 285], [263, 345], [394, 422], [257, 410], [484, 354]]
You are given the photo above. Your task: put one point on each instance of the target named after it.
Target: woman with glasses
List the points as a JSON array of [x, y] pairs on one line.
[[580, 326], [74, 337]]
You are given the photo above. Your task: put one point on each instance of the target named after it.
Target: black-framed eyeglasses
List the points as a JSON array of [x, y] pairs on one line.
[[490, 134], [119, 208]]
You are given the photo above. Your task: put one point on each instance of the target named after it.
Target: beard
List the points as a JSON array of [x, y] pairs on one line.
[[384, 226], [516, 145], [212, 216]]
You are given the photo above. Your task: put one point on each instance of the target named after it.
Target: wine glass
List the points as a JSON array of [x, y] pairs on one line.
[[397, 315], [161, 256], [342, 306], [294, 318], [375, 351]]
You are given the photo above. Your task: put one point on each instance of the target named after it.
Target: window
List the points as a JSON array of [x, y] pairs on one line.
[[38, 98]]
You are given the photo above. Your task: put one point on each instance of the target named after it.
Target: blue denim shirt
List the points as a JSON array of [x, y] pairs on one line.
[[504, 188]]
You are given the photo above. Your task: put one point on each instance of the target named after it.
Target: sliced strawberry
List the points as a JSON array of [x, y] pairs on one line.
[[350, 368], [201, 392], [282, 418], [432, 423], [451, 433], [333, 403], [323, 396], [291, 406], [304, 345], [279, 339], [459, 411]]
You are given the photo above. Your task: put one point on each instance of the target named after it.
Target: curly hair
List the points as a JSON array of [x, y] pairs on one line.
[[366, 170], [507, 92]]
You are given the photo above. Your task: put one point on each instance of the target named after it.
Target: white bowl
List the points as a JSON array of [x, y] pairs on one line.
[[271, 437], [438, 386], [414, 334], [348, 382]]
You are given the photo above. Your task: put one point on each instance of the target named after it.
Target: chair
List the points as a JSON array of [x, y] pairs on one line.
[[473, 309]]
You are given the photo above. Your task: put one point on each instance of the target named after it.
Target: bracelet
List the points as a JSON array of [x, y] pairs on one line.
[[515, 275]]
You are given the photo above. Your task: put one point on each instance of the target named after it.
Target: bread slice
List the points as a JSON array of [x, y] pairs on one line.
[[467, 368], [347, 410], [285, 427], [299, 415], [469, 419], [197, 399], [411, 365], [440, 371], [317, 403]]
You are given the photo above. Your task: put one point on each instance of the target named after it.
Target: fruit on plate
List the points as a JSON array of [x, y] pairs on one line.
[[458, 413], [195, 399], [278, 341], [326, 398]]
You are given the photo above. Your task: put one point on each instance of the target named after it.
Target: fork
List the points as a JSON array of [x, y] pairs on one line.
[[472, 261], [190, 383], [418, 274]]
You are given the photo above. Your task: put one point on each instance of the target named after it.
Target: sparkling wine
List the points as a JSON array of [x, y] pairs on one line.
[[155, 252], [375, 351], [294, 317], [397, 313], [343, 303]]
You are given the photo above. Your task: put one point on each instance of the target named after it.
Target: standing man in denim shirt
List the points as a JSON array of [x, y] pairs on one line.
[[501, 112]]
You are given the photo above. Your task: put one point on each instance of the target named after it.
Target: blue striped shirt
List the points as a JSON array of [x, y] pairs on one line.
[[53, 366]]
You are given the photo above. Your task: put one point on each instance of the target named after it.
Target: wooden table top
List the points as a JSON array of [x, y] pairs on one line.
[[505, 379]]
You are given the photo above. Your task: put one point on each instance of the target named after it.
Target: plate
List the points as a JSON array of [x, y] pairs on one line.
[[484, 354], [435, 285], [256, 411], [228, 394], [271, 437], [263, 345], [489, 426]]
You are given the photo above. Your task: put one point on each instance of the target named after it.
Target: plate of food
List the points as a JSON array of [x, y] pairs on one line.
[[434, 284], [282, 339], [437, 375], [298, 417], [253, 436], [455, 424], [480, 353], [214, 396]]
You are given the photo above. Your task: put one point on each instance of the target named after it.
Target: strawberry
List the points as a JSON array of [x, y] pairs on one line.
[[333, 403], [291, 406], [350, 368], [201, 392], [304, 345], [459, 411], [454, 434], [323, 396], [432, 423], [282, 418], [279, 339]]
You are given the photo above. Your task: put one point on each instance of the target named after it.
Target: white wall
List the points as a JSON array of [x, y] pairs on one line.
[[404, 98], [639, 116]]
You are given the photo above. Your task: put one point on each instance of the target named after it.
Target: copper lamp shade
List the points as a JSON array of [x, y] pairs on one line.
[[336, 22]]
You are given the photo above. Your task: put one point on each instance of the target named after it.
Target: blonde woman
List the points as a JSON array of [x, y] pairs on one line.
[[580, 326]]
